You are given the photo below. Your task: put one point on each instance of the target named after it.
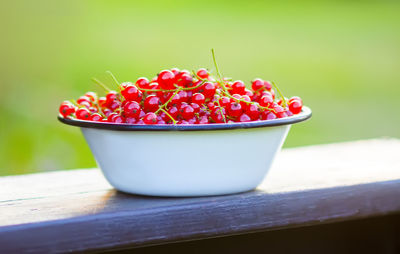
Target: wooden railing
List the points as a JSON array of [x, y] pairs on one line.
[[338, 188]]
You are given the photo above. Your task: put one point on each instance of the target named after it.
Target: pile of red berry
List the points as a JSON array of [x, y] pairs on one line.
[[180, 97]]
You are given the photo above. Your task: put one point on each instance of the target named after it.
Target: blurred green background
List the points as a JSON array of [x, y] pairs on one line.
[[341, 57]]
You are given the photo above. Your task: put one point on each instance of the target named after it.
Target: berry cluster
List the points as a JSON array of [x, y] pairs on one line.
[[180, 97]]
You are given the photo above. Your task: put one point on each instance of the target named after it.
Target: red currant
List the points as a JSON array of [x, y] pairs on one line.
[[257, 84], [266, 101], [234, 109], [253, 111], [66, 108], [244, 118], [198, 98], [295, 106], [92, 96], [238, 87], [175, 71], [132, 109], [184, 80], [183, 96], [166, 79], [142, 83], [202, 73], [132, 93], [187, 112], [267, 85], [111, 97], [208, 89], [218, 114], [83, 114], [96, 117], [173, 111], [150, 118], [102, 102], [152, 103]]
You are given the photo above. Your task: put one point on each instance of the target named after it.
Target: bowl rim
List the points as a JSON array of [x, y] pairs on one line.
[[302, 116]]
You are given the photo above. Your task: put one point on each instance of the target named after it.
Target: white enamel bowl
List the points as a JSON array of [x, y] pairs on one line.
[[186, 160]]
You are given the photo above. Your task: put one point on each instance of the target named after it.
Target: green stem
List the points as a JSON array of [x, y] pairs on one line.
[[168, 101], [173, 90], [220, 110], [101, 84], [114, 79], [216, 66], [280, 94], [225, 93], [166, 112]]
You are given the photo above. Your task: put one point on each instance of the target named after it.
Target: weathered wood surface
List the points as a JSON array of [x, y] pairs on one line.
[[77, 210]]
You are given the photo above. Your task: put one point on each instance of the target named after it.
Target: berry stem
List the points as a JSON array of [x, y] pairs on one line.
[[166, 112], [114, 79], [280, 94], [173, 90], [216, 66], [220, 110], [247, 102], [101, 84], [168, 101]]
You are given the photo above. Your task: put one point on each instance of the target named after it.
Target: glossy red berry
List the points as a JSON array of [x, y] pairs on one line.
[[196, 107], [208, 89], [266, 101], [234, 109], [268, 85], [102, 102], [66, 108], [166, 79], [198, 98], [249, 93], [152, 103], [173, 111], [268, 115], [183, 95], [202, 73], [174, 100], [295, 106], [83, 114], [92, 96], [203, 120], [253, 111], [130, 120], [150, 118], [184, 80], [224, 101], [279, 111], [132, 109], [83, 99], [115, 105], [211, 105], [96, 117], [111, 117], [187, 112], [218, 114], [142, 83], [111, 97], [238, 87], [295, 98], [257, 84], [175, 71], [118, 119], [244, 118], [132, 93]]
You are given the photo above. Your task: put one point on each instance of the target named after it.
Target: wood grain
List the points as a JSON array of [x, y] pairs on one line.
[[79, 211]]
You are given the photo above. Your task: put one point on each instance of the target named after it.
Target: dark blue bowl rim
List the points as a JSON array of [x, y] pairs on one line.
[[302, 116]]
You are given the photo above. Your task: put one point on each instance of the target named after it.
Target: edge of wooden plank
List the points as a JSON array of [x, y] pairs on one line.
[[204, 219]]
